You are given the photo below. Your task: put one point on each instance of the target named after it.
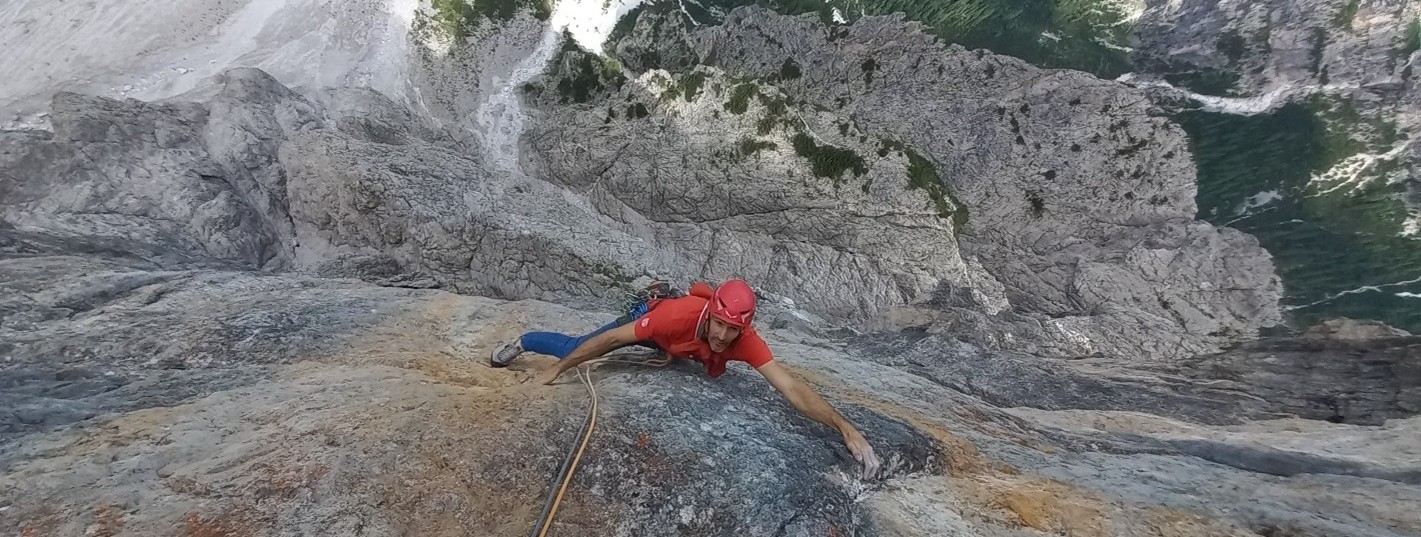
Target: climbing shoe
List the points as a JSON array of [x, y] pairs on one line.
[[505, 353]]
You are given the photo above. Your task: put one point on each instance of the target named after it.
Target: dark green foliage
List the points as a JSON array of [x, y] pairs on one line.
[[1089, 31], [1413, 38], [740, 97], [1231, 45], [826, 160], [1319, 43], [751, 146], [1323, 241], [1340, 131], [765, 125], [789, 70], [586, 75], [774, 105], [625, 24], [776, 112], [458, 18], [1035, 205], [691, 85], [922, 175], [1348, 14], [886, 145]]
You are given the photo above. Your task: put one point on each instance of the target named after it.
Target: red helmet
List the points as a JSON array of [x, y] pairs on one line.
[[734, 303]]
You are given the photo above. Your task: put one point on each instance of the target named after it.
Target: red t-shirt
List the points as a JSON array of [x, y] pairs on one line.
[[672, 325]]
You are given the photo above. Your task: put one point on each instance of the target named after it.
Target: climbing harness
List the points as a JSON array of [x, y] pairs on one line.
[[637, 303], [569, 465]]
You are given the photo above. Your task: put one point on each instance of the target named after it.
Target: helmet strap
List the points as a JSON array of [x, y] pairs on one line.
[[702, 330]]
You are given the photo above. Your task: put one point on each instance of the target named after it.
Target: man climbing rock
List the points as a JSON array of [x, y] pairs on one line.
[[708, 325]]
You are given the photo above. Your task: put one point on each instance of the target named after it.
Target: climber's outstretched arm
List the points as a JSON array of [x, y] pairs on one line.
[[807, 401], [595, 347]]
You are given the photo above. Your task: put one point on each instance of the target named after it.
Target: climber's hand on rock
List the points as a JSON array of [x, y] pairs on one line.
[[863, 452], [549, 374]]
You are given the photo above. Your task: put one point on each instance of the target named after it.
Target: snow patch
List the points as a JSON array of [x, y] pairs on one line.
[[1132, 10], [1245, 106], [589, 22], [1357, 291], [161, 50], [1258, 200], [1352, 172]]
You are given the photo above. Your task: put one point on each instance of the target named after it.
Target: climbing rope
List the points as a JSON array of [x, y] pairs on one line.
[[569, 465]]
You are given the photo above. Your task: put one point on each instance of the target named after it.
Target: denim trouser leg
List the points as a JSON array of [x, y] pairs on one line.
[[561, 345]]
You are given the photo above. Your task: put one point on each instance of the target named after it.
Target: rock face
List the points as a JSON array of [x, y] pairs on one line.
[[327, 358], [235, 317], [815, 190], [263, 177], [138, 400], [1363, 379], [1339, 373], [1257, 46], [1277, 51], [1065, 189], [1353, 62], [131, 171], [164, 50], [675, 167]]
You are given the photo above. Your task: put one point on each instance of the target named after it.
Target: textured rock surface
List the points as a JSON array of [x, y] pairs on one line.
[[1271, 44], [158, 50], [1270, 52], [814, 188], [132, 171], [1358, 380], [212, 182], [1079, 201], [139, 400], [729, 198], [1344, 376], [220, 318], [306, 372]]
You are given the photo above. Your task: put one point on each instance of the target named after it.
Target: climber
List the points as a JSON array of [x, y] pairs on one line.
[[708, 325]]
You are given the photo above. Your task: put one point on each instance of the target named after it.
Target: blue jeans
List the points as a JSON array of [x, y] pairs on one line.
[[561, 345]]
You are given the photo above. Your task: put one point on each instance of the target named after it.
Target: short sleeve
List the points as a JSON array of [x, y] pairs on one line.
[[655, 324], [754, 351]]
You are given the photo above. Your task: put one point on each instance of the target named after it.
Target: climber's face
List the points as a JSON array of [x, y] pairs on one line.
[[720, 334]]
